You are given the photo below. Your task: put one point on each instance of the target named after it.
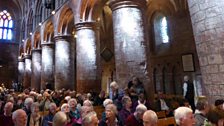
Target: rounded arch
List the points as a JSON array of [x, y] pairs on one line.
[[21, 51], [48, 31], [27, 46], [65, 21], [164, 6], [29, 23], [36, 40]]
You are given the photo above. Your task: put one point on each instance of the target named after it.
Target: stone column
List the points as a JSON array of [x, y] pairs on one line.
[[207, 22], [21, 68], [64, 62], [47, 64], [27, 72], [36, 69], [130, 42], [87, 49]]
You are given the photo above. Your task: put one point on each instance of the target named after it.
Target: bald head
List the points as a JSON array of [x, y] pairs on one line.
[[150, 118], [8, 108], [19, 117], [60, 119]]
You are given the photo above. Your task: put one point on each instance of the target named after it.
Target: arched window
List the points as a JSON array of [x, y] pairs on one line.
[[6, 25], [160, 29]]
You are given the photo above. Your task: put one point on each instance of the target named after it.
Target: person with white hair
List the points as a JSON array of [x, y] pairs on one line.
[[90, 119], [74, 112], [116, 94], [112, 118], [19, 117], [136, 118], [60, 119], [150, 118], [184, 116], [27, 105], [126, 109], [188, 91], [47, 120], [6, 117], [87, 103], [34, 119]]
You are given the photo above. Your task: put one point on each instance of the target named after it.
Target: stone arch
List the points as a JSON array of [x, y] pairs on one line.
[[21, 51], [36, 40], [65, 21], [38, 12], [27, 47], [48, 33], [29, 22], [23, 30]]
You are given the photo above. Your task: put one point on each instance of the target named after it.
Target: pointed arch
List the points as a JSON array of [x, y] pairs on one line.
[[36, 40], [27, 47], [30, 23]]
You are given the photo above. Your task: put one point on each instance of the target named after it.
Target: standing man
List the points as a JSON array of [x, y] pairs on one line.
[[188, 91]]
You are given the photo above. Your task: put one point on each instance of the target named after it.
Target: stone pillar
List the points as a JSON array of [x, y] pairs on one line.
[[87, 49], [64, 62], [27, 72], [207, 22], [130, 42], [21, 68], [47, 65], [36, 69]]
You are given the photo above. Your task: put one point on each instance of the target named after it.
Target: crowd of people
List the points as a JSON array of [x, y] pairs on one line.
[[122, 107]]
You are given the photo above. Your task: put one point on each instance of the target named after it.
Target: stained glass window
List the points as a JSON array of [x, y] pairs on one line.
[[6, 25]]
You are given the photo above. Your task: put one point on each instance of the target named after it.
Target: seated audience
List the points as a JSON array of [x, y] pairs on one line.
[[34, 119], [65, 109], [111, 116], [150, 118], [19, 117], [73, 110], [126, 109], [6, 117], [60, 119], [90, 119], [48, 119], [163, 104], [202, 108], [136, 118], [184, 116]]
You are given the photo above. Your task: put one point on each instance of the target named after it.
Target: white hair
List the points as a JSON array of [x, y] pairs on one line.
[[28, 101], [181, 113], [52, 104], [151, 115], [114, 84], [88, 118], [63, 105], [67, 98], [141, 109], [87, 103], [107, 101], [16, 113], [60, 119], [72, 100]]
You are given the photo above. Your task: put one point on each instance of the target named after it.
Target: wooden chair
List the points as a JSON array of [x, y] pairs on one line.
[[170, 121], [161, 114]]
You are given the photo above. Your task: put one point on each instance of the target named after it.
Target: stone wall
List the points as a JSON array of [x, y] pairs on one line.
[[207, 20]]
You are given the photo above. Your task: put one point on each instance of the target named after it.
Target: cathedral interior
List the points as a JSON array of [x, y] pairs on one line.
[[83, 45]]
